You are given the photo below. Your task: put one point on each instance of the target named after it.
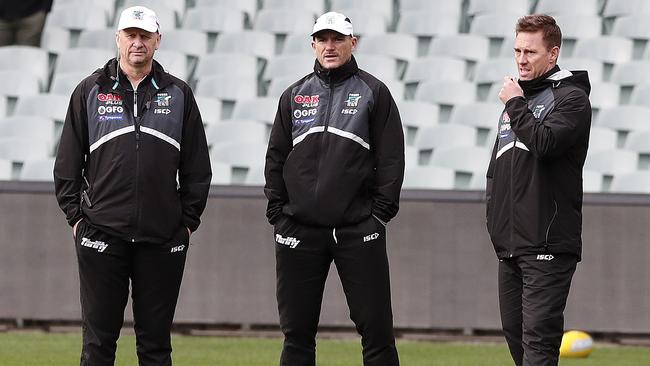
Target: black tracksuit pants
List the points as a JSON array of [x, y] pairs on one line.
[[303, 258], [533, 291], [106, 264]]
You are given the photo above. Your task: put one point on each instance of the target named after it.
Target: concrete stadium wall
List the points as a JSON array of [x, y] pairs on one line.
[[442, 265]]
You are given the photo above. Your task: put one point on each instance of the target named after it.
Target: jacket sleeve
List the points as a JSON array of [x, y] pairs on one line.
[[563, 126], [194, 171], [71, 156], [388, 153], [280, 144]]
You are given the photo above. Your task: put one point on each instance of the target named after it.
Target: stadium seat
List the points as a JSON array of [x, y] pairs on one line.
[[297, 44], [191, 42], [592, 182], [635, 27], [314, 7], [446, 94], [609, 49], [174, 62], [255, 176], [435, 68], [466, 161], [604, 95], [498, 27], [6, 169], [396, 88], [64, 83], [428, 177], [248, 42], [602, 138], [431, 138], [483, 116], [521, 7], [221, 172], [261, 109], [611, 162], [98, 38], [297, 65], [577, 7], [227, 87], [478, 182], [382, 67], [632, 182], [279, 84], [367, 21], [628, 75], [77, 18], [26, 59], [178, 6], [210, 109], [595, 68], [18, 83], [214, 19], [284, 21], [469, 47], [249, 7], [21, 149], [639, 141], [399, 46], [641, 95], [39, 128], [239, 154], [492, 71], [107, 5], [575, 27], [416, 115], [3, 107], [237, 131], [52, 106], [384, 7], [419, 23], [82, 60], [623, 119], [615, 8], [226, 64], [37, 170], [55, 39], [450, 7]]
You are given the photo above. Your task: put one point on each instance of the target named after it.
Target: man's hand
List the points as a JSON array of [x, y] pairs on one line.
[[510, 89]]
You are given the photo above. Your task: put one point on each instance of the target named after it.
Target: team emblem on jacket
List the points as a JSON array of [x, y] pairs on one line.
[[162, 101], [352, 101], [504, 126], [538, 110]]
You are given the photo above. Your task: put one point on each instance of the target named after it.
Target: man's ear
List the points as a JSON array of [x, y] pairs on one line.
[[554, 54]]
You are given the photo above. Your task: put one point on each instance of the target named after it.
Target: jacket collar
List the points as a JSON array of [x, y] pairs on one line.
[[333, 76], [113, 76], [538, 84]]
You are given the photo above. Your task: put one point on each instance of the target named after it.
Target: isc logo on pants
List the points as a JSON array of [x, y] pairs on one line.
[[545, 257], [178, 248], [370, 237]]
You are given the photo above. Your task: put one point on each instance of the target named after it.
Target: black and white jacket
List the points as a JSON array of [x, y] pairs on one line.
[[336, 151], [122, 150], [534, 181]]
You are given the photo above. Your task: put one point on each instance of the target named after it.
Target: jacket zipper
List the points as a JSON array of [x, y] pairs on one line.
[[512, 196], [548, 229], [327, 122], [136, 125]]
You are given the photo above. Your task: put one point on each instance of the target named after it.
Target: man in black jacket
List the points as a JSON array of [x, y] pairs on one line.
[[334, 169], [130, 131], [534, 191]]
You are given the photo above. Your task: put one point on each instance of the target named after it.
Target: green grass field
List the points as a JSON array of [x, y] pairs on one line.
[[45, 349]]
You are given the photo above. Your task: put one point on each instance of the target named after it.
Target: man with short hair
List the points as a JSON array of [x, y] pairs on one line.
[[334, 169], [534, 191], [132, 175]]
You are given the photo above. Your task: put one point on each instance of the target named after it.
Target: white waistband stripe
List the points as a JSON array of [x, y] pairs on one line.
[[111, 136], [316, 129], [161, 136], [509, 146], [349, 135]]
